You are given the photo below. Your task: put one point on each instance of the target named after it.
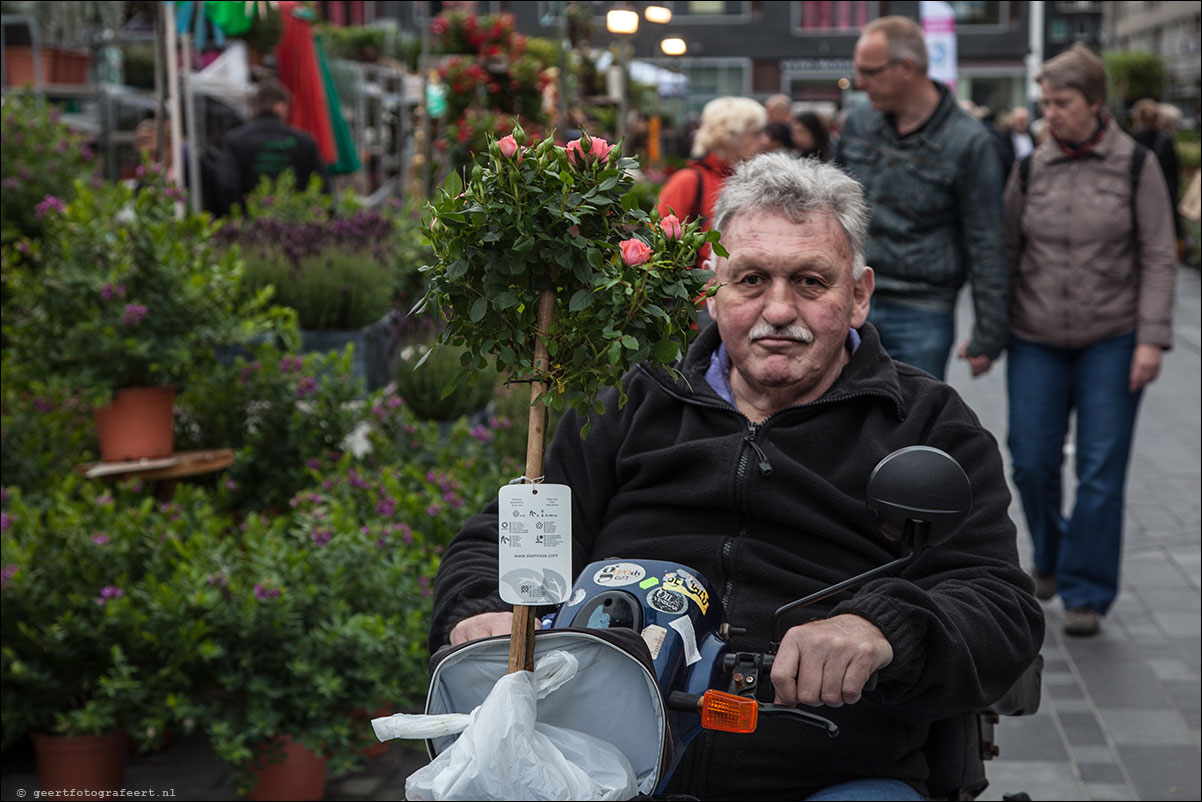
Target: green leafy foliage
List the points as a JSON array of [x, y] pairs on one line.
[[277, 411], [41, 436], [323, 612], [123, 293], [338, 264], [40, 157], [540, 219], [330, 291], [427, 390], [93, 635], [1134, 74]]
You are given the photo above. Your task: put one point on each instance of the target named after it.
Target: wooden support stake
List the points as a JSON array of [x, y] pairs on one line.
[[521, 638]]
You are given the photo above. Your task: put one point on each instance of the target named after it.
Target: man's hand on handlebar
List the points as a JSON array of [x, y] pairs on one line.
[[484, 625], [828, 662]]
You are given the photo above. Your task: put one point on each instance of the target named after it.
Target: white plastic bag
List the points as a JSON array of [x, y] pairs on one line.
[[503, 753]]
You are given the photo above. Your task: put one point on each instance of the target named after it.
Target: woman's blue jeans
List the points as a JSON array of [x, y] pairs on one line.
[[1083, 550], [881, 789]]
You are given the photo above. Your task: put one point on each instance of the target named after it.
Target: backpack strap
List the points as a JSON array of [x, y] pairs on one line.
[[1138, 156], [1024, 173]]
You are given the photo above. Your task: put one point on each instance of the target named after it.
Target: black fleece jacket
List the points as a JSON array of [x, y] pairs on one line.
[[770, 512]]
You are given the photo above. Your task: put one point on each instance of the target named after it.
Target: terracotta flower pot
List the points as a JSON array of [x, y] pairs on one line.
[[137, 424], [362, 719], [300, 776], [81, 762]]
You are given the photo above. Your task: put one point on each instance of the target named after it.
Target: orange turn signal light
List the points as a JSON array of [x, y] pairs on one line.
[[728, 713]]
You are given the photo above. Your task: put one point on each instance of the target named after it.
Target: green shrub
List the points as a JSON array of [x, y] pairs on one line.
[[42, 437], [330, 291], [40, 157], [278, 411], [425, 384], [93, 635]]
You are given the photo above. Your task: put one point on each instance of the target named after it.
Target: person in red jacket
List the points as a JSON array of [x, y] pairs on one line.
[[732, 130]]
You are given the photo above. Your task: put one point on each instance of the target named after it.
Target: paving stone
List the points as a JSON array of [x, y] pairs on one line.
[[1116, 791], [1185, 693], [353, 787], [1168, 669], [1117, 679], [1092, 773], [1179, 624], [1095, 753], [1176, 599], [1145, 727], [1030, 738], [1066, 690], [1042, 779], [1081, 728], [1081, 705], [1190, 650], [1164, 772]]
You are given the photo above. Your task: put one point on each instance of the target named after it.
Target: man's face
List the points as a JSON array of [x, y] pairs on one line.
[[881, 77], [786, 303], [1021, 120]]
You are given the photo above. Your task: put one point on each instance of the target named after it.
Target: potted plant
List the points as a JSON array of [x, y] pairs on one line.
[[277, 410], [39, 156], [94, 645], [122, 301], [332, 261], [321, 612], [560, 219]]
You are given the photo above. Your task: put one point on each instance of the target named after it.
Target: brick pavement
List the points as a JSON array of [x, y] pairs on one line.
[[1120, 717]]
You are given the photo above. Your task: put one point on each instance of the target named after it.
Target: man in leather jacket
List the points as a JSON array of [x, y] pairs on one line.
[[750, 467], [933, 179]]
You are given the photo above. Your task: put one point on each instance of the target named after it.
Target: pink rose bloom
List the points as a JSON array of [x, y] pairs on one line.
[[635, 252], [509, 146], [671, 227], [598, 150]]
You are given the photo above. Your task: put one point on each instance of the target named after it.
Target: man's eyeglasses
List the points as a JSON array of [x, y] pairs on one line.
[[872, 72]]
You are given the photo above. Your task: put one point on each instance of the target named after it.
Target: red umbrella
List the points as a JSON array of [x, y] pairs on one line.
[[296, 58]]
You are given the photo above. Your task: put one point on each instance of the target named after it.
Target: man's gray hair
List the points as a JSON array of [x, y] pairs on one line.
[[905, 38], [777, 183]]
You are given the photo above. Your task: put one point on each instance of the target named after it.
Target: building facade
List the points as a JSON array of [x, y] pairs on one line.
[[1172, 30]]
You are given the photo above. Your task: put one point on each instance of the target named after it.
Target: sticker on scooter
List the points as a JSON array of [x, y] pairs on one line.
[[685, 583], [618, 574], [654, 636], [688, 637], [577, 597], [667, 601]]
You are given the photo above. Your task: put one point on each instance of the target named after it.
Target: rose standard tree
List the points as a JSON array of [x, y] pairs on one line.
[[547, 268]]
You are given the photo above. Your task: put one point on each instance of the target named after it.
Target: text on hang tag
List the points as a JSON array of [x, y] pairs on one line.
[[534, 541]]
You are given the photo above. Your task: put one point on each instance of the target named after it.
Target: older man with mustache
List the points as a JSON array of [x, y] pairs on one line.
[[749, 466]]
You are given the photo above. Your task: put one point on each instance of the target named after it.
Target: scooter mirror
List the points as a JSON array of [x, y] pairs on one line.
[[920, 496]]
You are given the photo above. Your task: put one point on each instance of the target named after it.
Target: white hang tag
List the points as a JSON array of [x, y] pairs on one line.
[[534, 539]]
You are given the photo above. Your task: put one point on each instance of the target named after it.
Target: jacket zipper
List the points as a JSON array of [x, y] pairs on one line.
[[744, 458], [764, 466]]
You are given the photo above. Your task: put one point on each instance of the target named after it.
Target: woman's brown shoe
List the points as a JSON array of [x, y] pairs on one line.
[[1045, 585], [1080, 621]]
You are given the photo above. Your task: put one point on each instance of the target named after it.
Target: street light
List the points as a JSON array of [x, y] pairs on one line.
[[673, 46], [622, 20], [658, 14]]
